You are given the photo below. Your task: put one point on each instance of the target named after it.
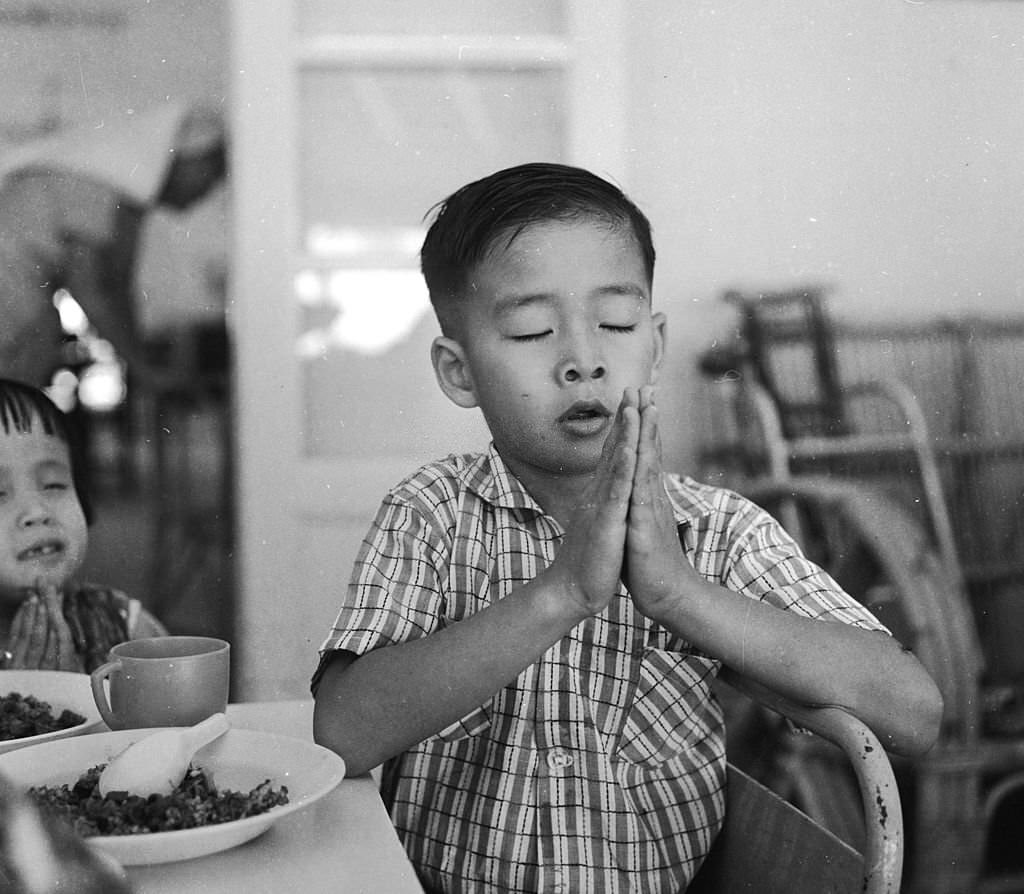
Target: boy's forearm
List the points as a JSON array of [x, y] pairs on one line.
[[814, 662], [390, 699]]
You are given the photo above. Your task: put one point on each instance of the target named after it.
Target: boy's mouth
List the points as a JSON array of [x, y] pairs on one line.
[[585, 416], [585, 409]]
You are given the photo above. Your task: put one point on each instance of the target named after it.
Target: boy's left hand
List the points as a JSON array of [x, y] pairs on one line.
[[40, 636], [655, 570]]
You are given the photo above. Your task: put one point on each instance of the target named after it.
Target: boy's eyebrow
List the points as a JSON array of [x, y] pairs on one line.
[[509, 303], [629, 289]]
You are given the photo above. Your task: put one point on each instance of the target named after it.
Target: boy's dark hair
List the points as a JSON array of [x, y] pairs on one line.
[[468, 223], [21, 404]]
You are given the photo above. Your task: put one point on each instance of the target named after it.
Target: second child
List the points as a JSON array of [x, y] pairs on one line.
[[48, 618]]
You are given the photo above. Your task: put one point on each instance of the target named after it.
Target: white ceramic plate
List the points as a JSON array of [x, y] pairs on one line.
[[59, 689], [239, 760]]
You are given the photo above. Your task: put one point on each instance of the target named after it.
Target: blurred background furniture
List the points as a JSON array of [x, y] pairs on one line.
[[933, 412], [895, 455]]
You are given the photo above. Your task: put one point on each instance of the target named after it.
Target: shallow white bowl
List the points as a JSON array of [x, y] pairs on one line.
[[59, 689], [239, 760]]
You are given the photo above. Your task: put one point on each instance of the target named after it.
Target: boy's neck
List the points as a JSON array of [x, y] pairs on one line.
[[558, 494]]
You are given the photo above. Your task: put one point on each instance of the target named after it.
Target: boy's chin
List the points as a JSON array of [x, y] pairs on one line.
[[580, 462], [570, 460]]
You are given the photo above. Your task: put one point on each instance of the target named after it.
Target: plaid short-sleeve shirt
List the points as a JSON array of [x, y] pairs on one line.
[[601, 768]]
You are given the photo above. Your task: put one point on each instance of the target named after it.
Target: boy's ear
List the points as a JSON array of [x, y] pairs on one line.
[[660, 324], [452, 371]]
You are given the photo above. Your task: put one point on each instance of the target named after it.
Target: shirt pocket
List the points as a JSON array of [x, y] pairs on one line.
[[672, 708], [475, 723]]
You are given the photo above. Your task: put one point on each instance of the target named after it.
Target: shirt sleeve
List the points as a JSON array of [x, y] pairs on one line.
[[764, 562], [395, 593]]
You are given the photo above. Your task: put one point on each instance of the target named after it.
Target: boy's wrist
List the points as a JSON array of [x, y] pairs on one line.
[[670, 610], [559, 598]]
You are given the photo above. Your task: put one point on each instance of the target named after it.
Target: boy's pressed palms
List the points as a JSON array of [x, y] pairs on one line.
[[592, 553], [655, 568]]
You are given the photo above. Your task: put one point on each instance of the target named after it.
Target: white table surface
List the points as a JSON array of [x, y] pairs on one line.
[[343, 843]]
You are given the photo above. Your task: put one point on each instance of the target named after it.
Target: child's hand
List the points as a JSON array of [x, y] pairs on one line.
[[40, 637], [589, 561], [655, 566]]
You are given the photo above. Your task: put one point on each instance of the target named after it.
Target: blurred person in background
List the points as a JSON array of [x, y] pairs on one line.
[[72, 211]]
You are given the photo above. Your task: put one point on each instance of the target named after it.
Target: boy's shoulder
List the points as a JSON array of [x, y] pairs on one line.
[[693, 500], [438, 485], [447, 473], [481, 479]]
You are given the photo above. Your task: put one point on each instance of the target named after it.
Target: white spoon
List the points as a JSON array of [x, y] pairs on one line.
[[158, 763]]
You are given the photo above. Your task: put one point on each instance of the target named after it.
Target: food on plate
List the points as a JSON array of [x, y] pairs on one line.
[[195, 802], [26, 715]]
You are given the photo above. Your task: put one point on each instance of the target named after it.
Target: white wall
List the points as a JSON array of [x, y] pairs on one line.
[[875, 145]]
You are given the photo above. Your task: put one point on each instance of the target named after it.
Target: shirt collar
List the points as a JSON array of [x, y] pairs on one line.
[[491, 479]]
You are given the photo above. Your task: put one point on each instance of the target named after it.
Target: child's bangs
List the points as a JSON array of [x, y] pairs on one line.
[[20, 412]]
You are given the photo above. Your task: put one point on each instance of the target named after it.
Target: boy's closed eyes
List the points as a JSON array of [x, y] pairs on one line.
[[533, 318]]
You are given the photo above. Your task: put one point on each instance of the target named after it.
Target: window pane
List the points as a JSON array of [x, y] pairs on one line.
[[379, 149], [367, 376], [435, 17]]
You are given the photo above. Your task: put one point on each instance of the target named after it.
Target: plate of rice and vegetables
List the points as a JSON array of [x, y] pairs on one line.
[[39, 706], [235, 789]]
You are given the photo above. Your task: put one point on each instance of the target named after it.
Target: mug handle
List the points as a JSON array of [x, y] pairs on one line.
[[99, 693]]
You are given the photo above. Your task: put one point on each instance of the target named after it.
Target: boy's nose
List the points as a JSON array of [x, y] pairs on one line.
[[576, 369]]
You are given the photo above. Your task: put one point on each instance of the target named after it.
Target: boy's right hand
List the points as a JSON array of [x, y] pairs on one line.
[[589, 562]]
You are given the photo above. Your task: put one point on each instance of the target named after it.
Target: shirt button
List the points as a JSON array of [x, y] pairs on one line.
[[558, 758]]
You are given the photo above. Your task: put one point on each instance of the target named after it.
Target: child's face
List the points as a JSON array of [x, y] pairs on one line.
[[43, 533], [557, 325]]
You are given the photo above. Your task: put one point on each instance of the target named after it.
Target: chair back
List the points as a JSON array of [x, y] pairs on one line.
[[768, 846]]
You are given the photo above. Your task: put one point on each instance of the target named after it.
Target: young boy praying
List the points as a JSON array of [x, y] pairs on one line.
[[530, 634]]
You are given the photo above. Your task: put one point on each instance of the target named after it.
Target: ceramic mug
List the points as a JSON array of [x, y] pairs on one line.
[[163, 681]]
